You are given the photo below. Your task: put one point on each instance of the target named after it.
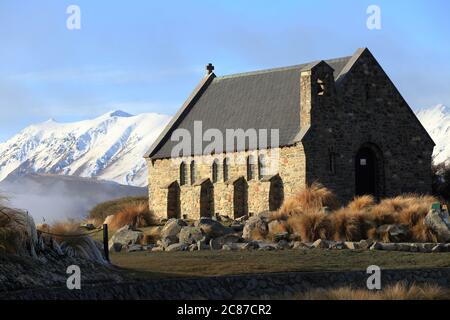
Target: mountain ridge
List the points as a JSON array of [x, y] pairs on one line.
[[110, 147]]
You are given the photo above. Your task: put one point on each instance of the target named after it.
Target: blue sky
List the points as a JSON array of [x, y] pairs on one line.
[[147, 56]]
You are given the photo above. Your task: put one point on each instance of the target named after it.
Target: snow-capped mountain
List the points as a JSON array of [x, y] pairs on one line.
[[437, 122], [110, 147]]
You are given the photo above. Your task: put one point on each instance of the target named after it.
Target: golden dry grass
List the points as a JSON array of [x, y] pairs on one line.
[[309, 199], [136, 214], [358, 220], [398, 291]]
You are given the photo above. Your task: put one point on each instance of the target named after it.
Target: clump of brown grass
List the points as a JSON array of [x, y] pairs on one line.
[[309, 199], [74, 240], [361, 203], [398, 291], [311, 226], [358, 220], [17, 230], [136, 214]]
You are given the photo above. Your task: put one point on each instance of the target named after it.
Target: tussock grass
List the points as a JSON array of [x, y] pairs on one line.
[[136, 214], [75, 240], [17, 230], [359, 219], [398, 291], [102, 210]]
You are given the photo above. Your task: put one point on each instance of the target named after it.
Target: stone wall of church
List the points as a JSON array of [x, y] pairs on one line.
[[365, 109], [287, 163]]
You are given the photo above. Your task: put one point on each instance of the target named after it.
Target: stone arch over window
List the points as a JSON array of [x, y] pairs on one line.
[[226, 168], [215, 171], [183, 173], [276, 193], [250, 167], [193, 172], [173, 201], [207, 199], [369, 170], [262, 166], [240, 198]]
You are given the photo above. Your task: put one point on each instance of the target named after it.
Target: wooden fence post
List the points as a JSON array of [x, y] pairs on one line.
[[105, 241]]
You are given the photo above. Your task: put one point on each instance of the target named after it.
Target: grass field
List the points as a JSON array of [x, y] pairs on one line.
[[214, 263]]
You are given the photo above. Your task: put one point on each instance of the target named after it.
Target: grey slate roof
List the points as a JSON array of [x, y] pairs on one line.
[[267, 99]]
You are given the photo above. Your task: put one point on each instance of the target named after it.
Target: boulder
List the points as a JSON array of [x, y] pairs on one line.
[[388, 246], [283, 244], [376, 246], [164, 243], [394, 232], [190, 235], [172, 228], [435, 220], [212, 228], [425, 247], [134, 248], [237, 226], [338, 245], [148, 247], [202, 244], [177, 247], [116, 247], [300, 245], [157, 249], [438, 248], [126, 236], [281, 236], [237, 246], [217, 243], [319, 243], [351, 245], [365, 243], [257, 223], [267, 246]]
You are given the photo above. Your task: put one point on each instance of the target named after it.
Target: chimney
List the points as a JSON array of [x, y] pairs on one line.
[[209, 68]]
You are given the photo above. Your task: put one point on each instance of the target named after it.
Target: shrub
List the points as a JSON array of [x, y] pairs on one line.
[[102, 210]]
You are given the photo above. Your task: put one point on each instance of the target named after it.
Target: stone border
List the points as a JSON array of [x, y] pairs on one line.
[[249, 286]]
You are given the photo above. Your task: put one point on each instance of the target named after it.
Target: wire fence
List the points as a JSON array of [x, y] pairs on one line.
[[71, 235]]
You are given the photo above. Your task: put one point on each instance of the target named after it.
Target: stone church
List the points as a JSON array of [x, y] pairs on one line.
[[340, 122]]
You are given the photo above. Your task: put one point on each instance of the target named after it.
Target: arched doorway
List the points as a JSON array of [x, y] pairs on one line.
[[276, 193], [369, 171], [206, 199], [173, 201], [240, 198]]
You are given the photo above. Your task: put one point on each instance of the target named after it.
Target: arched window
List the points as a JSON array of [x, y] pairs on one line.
[[250, 168], [182, 173], [225, 169], [193, 173], [262, 166], [215, 171]]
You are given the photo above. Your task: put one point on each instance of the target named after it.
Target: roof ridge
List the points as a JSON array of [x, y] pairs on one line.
[[276, 69]]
